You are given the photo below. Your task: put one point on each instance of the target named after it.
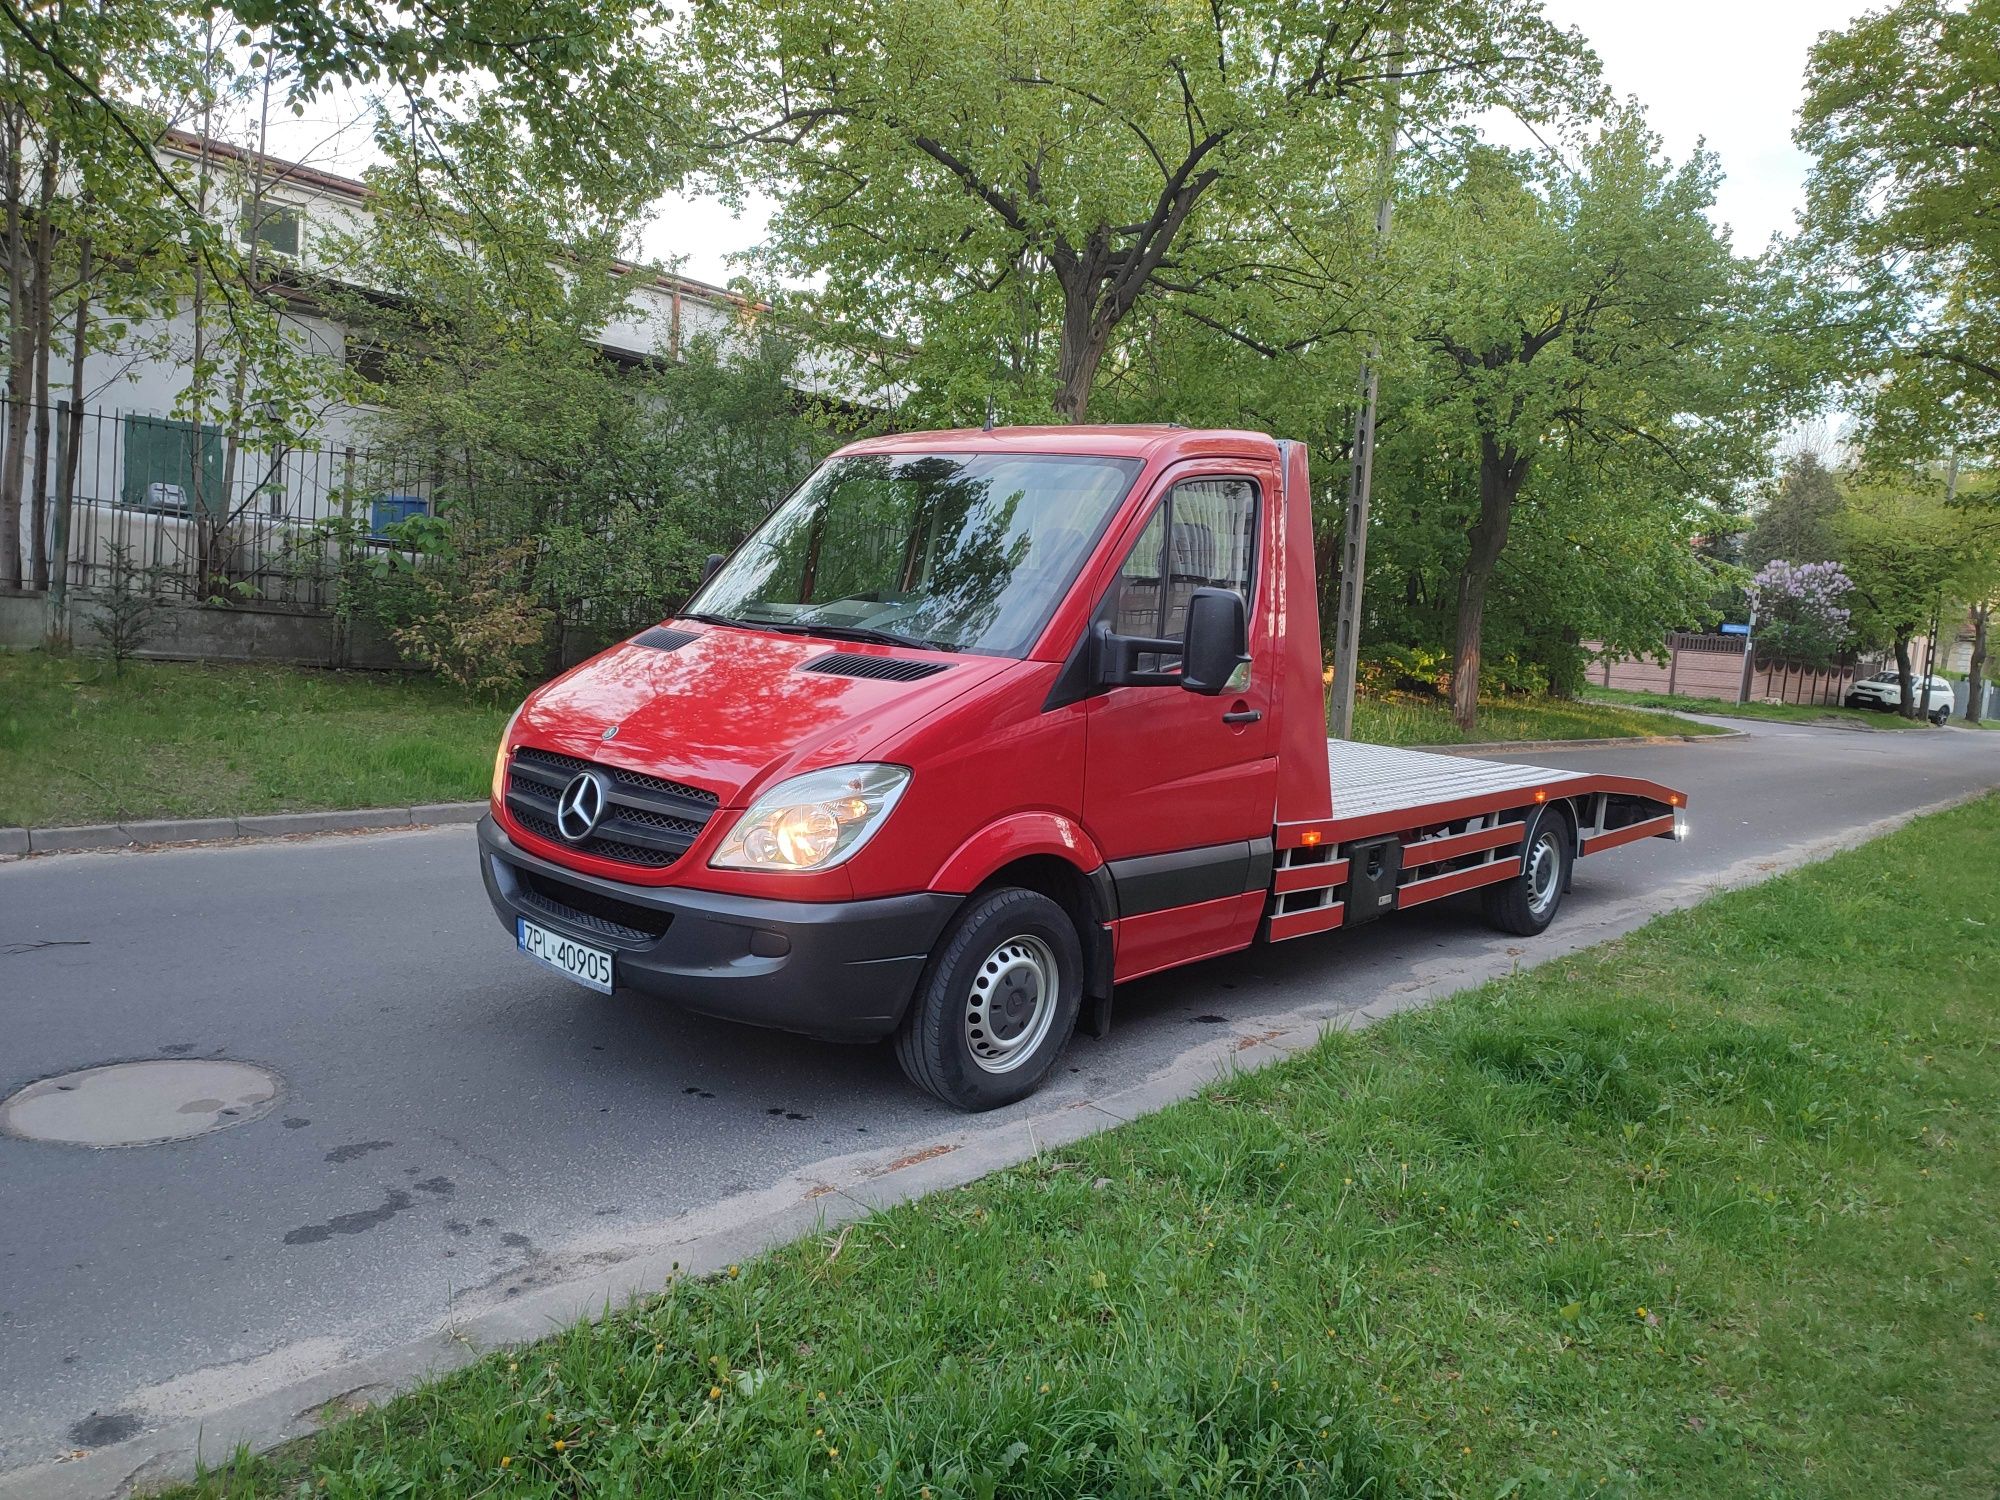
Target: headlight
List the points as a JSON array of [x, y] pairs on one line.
[[500, 758], [814, 821]]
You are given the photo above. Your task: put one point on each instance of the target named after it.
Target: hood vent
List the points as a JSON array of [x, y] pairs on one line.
[[664, 638], [882, 668]]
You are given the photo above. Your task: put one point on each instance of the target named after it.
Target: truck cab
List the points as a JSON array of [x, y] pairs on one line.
[[976, 726]]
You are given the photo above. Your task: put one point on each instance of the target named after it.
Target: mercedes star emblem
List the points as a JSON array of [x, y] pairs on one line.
[[581, 805]]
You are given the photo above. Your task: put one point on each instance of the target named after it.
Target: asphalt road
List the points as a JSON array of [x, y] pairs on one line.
[[457, 1123]]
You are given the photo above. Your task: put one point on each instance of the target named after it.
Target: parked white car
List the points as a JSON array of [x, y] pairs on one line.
[[1885, 691]]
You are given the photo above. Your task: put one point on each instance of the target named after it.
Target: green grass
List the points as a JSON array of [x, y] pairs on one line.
[[1783, 713], [80, 744], [1708, 1211], [1406, 719]]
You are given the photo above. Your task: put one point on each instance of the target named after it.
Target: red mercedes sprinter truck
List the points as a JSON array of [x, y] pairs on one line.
[[978, 725]]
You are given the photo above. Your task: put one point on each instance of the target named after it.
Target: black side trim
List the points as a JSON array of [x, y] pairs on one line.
[[664, 638], [1160, 882], [884, 668]]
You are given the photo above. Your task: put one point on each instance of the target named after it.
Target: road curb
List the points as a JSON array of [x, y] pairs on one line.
[[816, 1199], [153, 832], [1502, 747]]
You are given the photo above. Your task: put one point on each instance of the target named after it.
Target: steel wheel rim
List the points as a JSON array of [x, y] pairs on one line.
[[1012, 1004], [1544, 872]]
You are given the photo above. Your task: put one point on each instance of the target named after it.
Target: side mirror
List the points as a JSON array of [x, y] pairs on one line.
[[712, 566], [1217, 640]]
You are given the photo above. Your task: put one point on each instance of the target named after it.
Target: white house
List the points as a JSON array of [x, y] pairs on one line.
[[162, 487]]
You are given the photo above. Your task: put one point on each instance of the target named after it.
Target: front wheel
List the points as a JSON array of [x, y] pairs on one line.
[[1526, 904], [997, 1002]]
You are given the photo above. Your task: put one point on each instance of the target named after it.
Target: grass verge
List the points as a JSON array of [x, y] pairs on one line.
[[1782, 713], [1406, 719], [1708, 1211], [80, 744]]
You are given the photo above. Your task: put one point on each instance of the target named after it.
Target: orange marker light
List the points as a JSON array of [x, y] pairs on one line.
[[1309, 837], [1540, 795], [1673, 799]]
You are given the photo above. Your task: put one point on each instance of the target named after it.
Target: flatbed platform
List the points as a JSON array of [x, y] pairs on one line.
[[1459, 824], [1373, 781]]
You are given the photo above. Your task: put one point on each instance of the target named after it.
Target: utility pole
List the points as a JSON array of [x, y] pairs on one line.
[[1360, 474]]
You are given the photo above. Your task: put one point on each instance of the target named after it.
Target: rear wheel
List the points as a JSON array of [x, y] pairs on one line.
[[1940, 715], [997, 1002], [1526, 904]]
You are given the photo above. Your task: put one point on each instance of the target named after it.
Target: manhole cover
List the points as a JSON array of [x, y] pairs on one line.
[[140, 1103]]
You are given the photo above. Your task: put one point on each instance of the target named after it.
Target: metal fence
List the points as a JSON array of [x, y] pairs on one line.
[[204, 512]]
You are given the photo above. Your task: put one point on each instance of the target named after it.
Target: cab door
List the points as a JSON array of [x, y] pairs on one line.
[[1179, 787]]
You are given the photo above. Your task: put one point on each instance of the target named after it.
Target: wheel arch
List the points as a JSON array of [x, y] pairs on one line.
[[1090, 901]]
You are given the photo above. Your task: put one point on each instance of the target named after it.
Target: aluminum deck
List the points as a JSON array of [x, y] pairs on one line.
[[1371, 780]]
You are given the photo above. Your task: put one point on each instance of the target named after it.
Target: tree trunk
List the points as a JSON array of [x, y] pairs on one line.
[[20, 365], [1502, 471], [1084, 336], [1975, 670], [72, 444], [38, 507], [1906, 678]]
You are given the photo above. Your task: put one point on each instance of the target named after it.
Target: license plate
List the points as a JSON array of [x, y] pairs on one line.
[[587, 966]]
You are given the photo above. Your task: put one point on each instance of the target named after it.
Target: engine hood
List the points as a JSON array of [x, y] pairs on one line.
[[733, 710]]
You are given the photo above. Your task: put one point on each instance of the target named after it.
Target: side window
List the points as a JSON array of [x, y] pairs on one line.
[[1203, 534], [1212, 545], [1134, 602]]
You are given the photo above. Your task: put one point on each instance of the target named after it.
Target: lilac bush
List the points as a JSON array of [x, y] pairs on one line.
[[1800, 616]]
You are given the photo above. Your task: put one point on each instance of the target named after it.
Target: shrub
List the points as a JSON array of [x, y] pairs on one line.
[[1801, 616]]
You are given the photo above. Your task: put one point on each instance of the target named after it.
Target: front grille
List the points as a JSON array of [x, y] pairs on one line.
[[648, 820], [590, 910]]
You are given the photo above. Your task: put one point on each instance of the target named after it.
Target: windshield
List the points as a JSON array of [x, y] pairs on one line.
[[961, 552]]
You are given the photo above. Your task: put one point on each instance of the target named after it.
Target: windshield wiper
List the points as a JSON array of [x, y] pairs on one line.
[[741, 623], [878, 637]]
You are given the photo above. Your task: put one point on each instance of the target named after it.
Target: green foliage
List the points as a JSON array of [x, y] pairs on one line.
[[1910, 553], [1899, 120], [1797, 523], [1578, 395], [128, 609], [603, 483], [993, 201]]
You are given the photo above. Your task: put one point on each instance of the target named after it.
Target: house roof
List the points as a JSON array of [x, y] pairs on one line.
[[279, 170]]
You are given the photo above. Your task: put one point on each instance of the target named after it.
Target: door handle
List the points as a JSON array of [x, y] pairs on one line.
[[1243, 716]]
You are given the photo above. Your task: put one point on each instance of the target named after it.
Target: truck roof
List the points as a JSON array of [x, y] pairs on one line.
[[1138, 440]]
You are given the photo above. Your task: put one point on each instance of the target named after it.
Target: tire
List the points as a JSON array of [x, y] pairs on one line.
[[984, 1029], [1526, 904], [1941, 716]]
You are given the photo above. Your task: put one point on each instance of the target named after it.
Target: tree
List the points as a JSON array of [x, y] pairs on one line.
[[985, 195], [1797, 523], [1905, 140], [569, 485], [1913, 555], [1594, 318]]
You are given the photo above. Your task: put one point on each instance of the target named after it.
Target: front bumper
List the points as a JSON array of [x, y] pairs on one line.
[[841, 970]]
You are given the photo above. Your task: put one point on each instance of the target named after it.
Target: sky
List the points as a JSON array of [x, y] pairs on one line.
[[1725, 71]]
